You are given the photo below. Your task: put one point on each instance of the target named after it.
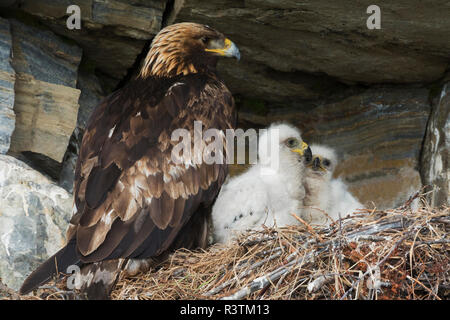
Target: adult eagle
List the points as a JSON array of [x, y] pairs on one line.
[[131, 200]]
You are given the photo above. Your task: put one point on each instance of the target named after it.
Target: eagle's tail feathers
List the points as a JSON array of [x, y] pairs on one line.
[[98, 279], [59, 262]]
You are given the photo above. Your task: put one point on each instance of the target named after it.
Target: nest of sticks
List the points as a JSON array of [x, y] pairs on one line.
[[401, 253]]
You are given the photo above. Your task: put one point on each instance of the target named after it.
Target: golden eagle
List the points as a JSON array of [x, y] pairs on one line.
[[131, 201]]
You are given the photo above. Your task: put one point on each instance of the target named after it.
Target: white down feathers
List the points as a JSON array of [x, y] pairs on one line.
[[266, 194], [326, 197]]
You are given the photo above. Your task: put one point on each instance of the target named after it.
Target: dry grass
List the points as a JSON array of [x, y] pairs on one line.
[[391, 254]]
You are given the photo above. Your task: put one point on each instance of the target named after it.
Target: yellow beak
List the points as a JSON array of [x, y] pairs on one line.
[[229, 50], [302, 149]]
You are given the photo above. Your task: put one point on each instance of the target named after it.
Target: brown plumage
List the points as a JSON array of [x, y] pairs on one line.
[[130, 200]]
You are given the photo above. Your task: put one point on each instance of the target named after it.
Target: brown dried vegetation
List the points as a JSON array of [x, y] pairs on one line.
[[390, 254]]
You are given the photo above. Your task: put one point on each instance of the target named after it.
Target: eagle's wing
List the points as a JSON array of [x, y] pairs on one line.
[[131, 199]]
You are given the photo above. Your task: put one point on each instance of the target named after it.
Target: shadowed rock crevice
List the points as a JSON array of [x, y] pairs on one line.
[[134, 70]]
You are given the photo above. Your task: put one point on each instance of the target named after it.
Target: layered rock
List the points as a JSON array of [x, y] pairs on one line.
[[7, 79], [46, 98], [325, 38], [378, 134], [436, 148], [113, 33], [34, 214], [138, 19]]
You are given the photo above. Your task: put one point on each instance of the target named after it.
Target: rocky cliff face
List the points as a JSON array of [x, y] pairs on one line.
[[380, 97], [301, 43], [7, 80], [113, 33], [368, 93], [46, 101], [378, 134]]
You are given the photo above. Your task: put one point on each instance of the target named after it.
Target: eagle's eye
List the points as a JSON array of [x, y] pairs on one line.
[[326, 162], [205, 40], [291, 142]]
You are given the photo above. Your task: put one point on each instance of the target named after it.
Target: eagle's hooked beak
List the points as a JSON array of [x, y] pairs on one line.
[[229, 50], [305, 151]]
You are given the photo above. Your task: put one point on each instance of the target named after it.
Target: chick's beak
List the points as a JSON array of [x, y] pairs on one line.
[[316, 163], [304, 151], [308, 155], [229, 50]]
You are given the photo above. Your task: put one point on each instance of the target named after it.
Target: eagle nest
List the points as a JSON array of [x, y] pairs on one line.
[[389, 254]]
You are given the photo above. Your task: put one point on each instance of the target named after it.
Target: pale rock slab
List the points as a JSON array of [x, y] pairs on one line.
[[34, 215]]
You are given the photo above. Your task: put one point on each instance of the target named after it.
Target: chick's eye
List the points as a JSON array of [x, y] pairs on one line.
[[326, 162], [291, 142]]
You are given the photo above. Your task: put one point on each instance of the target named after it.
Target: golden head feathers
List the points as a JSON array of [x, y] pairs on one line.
[[186, 48]]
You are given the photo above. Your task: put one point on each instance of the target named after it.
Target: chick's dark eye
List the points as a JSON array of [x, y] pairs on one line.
[[291, 142], [326, 162]]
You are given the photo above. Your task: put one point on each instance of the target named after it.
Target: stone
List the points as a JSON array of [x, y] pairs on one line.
[[91, 95], [113, 32], [46, 97], [273, 85], [436, 148], [112, 56], [7, 80], [34, 215], [326, 38], [134, 19], [377, 133]]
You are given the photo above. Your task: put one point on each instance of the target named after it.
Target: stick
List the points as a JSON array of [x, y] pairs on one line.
[[310, 229], [242, 274], [319, 282], [263, 281]]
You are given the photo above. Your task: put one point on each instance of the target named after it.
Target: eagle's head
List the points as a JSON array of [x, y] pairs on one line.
[[324, 161], [186, 48]]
